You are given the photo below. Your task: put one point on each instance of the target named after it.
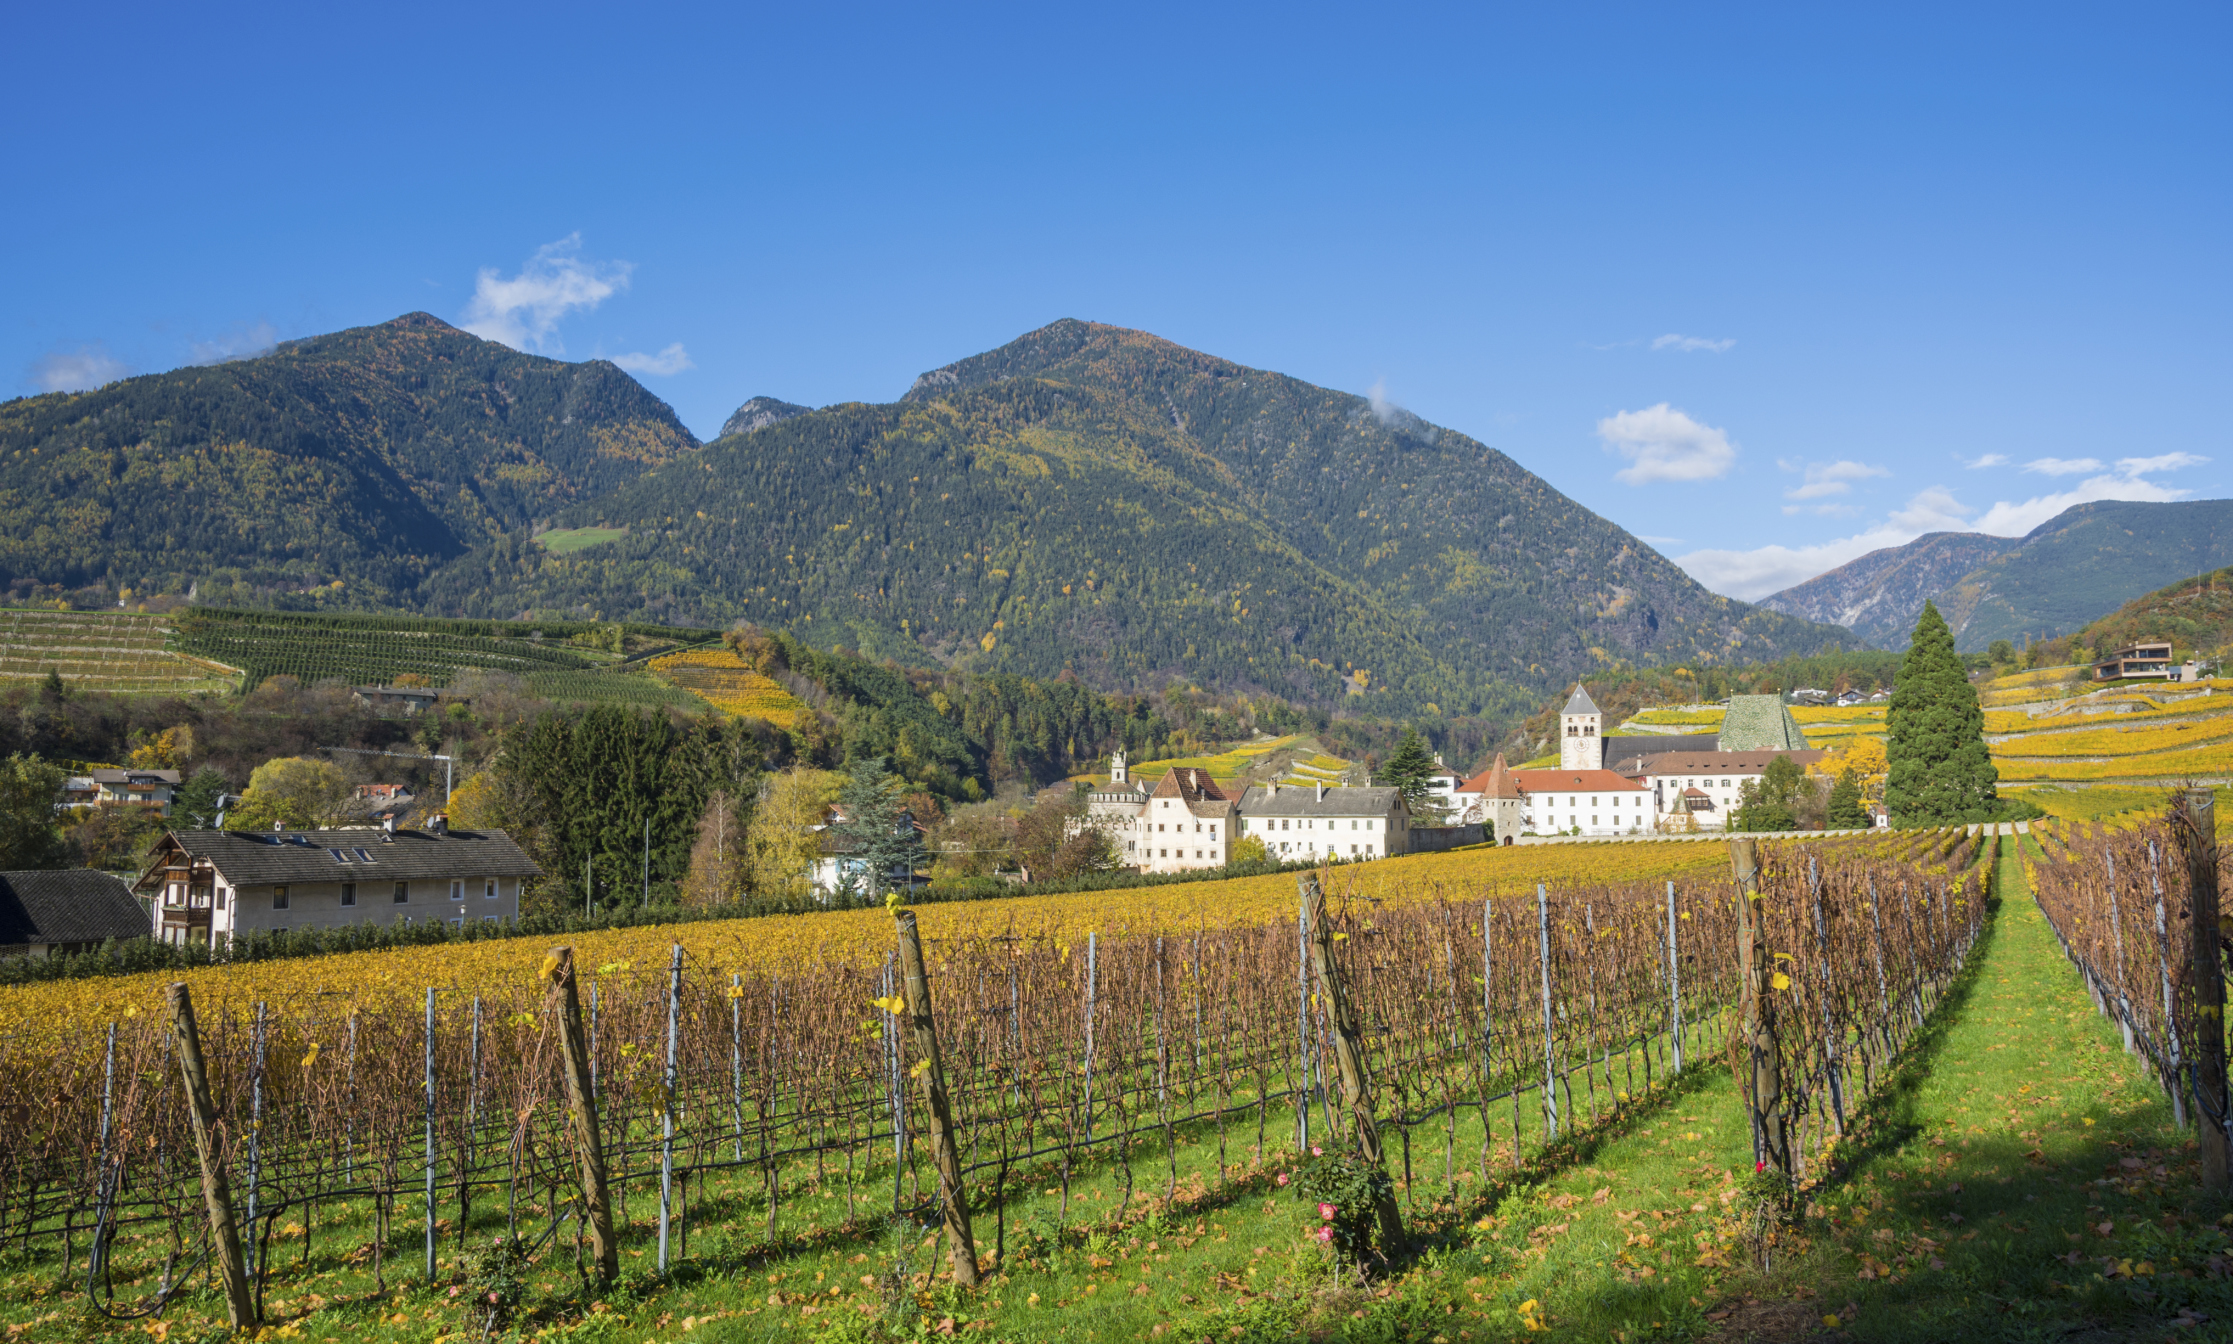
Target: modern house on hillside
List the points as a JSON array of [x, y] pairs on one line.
[[2138, 660], [53, 914], [212, 886], [1317, 822]]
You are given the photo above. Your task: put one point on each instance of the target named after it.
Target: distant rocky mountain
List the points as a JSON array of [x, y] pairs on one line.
[[1099, 500], [351, 465], [1879, 595], [2075, 567], [759, 413]]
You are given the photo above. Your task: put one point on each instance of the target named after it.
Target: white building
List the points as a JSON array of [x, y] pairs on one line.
[[212, 886], [1494, 799], [1697, 790], [1184, 822], [1317, 822], [1588, 802]]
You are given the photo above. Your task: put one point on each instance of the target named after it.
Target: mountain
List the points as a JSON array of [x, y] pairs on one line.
[[369, 456], [759, 413], [1100, 500], [2074, 567], [1879, 595], [2195, 614]]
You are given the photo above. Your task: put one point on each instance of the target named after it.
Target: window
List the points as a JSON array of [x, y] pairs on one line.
[[488, 919], [458, 922], [403, 894], [220, 898], [339, 855], [457, 888], [363, 857], [278, 898], [1213, 830], [489, 894], [348, 893], [1283, 823]]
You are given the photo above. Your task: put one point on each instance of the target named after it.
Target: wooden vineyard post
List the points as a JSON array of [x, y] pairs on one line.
[[581, 1103], [952, 1199], [1762, 1067], [1674, 980], [1349, 1053], [667, 1106], [224, 1237], [2198, 837]]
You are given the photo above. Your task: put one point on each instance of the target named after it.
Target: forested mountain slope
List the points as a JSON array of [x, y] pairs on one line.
[[1102, 500], [369, 456], [2075, 567]]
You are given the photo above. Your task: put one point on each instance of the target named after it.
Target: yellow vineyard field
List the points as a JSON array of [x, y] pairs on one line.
[[724, 681], [2209, 760], [1851, 715], [1998, 721], [859, 936], [2116, 740]]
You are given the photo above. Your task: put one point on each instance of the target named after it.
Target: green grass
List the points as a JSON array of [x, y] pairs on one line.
[[563, 540]]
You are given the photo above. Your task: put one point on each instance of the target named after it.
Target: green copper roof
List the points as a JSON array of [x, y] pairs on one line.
[[1760, 723]]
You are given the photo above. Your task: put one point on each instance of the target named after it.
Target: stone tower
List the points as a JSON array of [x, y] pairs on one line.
[[1117, 769], [1581, 725]]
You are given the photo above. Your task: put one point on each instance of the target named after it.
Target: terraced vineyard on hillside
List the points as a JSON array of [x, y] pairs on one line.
[[720, 678], [380, 649], [119, 651]]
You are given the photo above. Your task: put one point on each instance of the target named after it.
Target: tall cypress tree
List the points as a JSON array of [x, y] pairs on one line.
[[1940, 770], [1409, 770]]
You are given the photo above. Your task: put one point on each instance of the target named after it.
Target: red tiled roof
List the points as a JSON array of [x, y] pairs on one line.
[[1190, 783], [1567, 781], [1494, 782]]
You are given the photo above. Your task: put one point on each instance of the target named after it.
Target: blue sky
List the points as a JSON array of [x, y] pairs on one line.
[[1767, 286]]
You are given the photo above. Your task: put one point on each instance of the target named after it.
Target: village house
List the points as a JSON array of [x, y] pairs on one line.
[[209, 887], [1317, 822], [53, 914], [108, 787]]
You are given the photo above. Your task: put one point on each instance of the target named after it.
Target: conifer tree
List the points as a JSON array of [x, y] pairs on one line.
[[1940, 772], [1409, 769], [1846, 812]]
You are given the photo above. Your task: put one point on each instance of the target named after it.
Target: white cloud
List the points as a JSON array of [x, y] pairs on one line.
[[2141, 466], [79, 370], [1754, 574], [525, 310], [2128, 481], [665, 364], [1834, 478], [2063, 466], [242, 342], [1663, 444], [1691, 344], [1384, 410], [1988, 460]]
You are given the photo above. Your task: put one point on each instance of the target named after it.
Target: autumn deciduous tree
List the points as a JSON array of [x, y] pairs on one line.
[[781, 844], [291, 791], [717, 860]]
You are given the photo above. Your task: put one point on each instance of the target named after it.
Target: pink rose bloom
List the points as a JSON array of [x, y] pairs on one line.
[[1283, 1178], [1316, 1151], [1326, 1234], [1326, 1211]]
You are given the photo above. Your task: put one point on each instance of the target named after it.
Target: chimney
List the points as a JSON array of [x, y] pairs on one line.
[[387, 829], [1321, 790], [438, 824]]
